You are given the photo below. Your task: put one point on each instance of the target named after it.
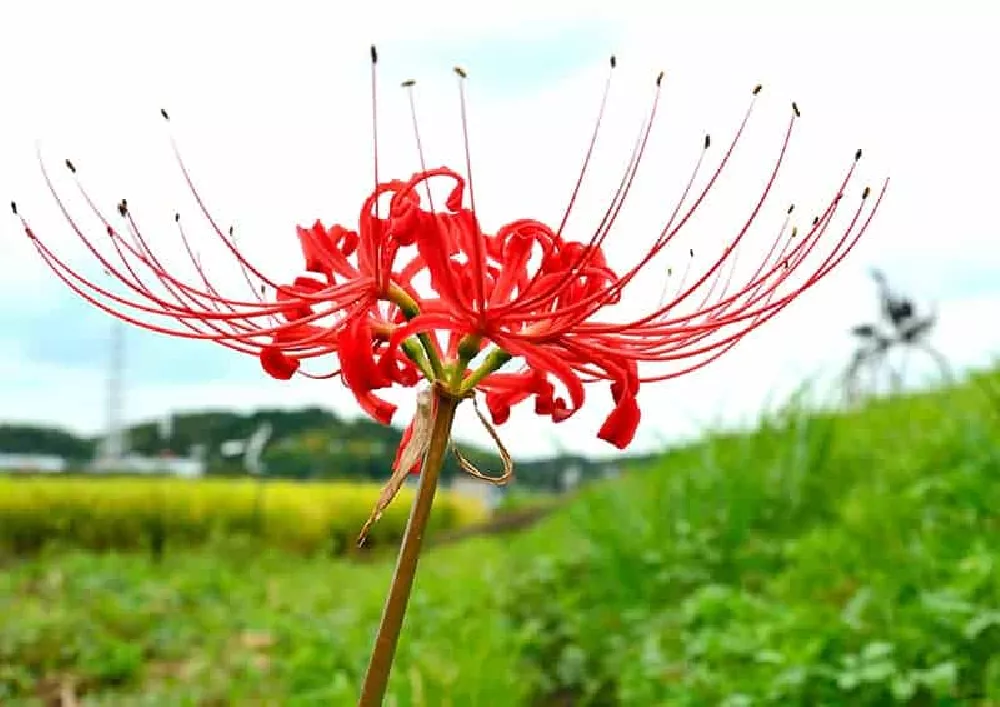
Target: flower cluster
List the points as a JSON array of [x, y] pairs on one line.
[[421, 291]]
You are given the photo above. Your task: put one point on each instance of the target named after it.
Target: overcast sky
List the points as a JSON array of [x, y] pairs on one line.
[[271, 110]]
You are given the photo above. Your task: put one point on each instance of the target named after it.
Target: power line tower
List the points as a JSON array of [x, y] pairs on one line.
[[114, 446]]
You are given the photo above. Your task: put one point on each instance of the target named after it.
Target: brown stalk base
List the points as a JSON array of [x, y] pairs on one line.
[[387, 637]]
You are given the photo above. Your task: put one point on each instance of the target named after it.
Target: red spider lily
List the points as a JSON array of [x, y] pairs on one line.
[[552, 315], [348, 303], [525, 293]]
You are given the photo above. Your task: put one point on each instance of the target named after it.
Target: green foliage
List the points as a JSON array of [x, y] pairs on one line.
[[122, 514], [250, 627], [819, 560]]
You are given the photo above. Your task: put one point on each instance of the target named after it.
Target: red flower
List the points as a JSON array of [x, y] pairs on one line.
[[525, 293], [544, 300], [355, 295]]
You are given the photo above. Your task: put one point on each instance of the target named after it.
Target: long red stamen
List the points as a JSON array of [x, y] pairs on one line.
[[584, 308], [682, 336], [408, 85], [530, 300], [667, 234], [240, 338], [590, 147], [154, 265], [374, 56], [211, 220], [478, 253]]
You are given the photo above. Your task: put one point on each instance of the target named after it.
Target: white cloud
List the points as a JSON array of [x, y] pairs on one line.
[[272, 113]]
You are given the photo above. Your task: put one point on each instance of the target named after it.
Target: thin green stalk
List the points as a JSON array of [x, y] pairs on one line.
[[380, 664], [494, 361], [397, 295]]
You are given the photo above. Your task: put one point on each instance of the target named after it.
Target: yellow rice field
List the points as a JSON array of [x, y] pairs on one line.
[[127, 513]]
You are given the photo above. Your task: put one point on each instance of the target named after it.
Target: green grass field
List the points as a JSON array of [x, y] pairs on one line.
[[820, 560]]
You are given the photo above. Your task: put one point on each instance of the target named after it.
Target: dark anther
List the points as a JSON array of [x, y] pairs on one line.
[[374, 54], [691, 252], [163, 112], [123, 207], [815, 220], [614, 61], [795, 109], [795, 231], [659, 79], [409, 83], [866, 193], [757, 88], [13, 207], [177, 217], [708, 141], [461, 72], [791, 208], [230, 231], [857, 155], [70, 167]]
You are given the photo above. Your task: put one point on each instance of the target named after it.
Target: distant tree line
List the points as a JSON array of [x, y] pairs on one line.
[[29, 439], [309, 443]]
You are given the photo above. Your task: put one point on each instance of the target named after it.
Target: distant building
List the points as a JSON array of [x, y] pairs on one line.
[[570, 477], [32, 463], [134, 464], [490, 494]]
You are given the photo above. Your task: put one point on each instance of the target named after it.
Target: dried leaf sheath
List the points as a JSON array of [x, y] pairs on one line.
[[409, 456]]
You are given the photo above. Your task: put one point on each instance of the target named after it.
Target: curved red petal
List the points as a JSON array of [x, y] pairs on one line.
[[276, 364], [360, 372], [620, 426]]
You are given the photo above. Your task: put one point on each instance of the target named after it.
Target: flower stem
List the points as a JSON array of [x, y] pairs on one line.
[[494, 361], [380, 664]]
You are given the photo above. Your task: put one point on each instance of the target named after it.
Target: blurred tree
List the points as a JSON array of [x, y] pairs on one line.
[[34, 439]]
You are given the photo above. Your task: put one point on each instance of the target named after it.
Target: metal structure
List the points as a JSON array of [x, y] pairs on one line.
[[114, 445], [255, 448], [900, 327], [250, 449]]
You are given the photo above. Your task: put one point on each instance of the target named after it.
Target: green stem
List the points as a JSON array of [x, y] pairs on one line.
[[494, 361], [380, 664], [468, 349], [415, 352], [397, 295], [432, 355]]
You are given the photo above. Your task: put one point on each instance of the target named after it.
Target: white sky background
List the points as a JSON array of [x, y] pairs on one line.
[[272, 113]]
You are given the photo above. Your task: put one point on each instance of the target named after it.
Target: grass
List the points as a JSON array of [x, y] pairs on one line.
[[250, 628], [819, 560]]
